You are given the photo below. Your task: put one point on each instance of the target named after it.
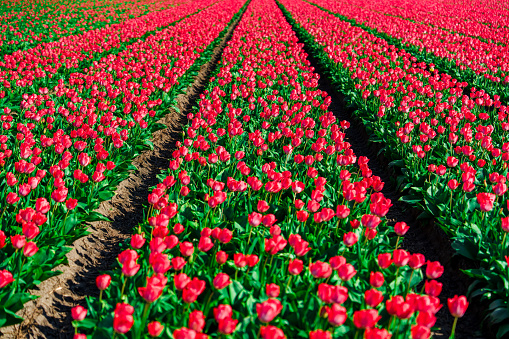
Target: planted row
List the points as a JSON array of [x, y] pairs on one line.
[[266, 223], [71, 146], [450, 146]]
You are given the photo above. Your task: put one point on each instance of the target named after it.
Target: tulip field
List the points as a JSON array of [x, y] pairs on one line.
[[268, 220]]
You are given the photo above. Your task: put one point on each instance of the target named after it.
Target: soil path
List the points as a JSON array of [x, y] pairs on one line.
[[49, 316], [423, 237]]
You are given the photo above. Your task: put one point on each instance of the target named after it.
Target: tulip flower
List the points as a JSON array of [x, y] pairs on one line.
[[271, 332], [268, 310], [272, 290], [457, 306], [78, 313], [366, 318], [155, 329], [227, 326], [221, 281], [320, 334]]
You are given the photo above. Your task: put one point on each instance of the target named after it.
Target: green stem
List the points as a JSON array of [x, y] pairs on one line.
[[453, 328]]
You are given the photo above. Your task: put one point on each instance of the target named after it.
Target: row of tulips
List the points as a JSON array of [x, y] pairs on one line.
[[484, 20], [450, 146], [68, 149], [480, 63], [47, 63], [266, 223], [27, 25]]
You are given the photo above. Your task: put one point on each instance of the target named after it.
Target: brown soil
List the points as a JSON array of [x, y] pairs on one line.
[[424, 236], [49, 316]]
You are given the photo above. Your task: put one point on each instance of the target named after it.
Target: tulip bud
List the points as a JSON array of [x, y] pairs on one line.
[[457, 306], [401, 228], [221, 257], [103, 281], [376, 279], [137, 241], [272, 290], [434, 270], [196, 321], [221, 281], [78, 313], [155, 328], [30, 249], [295, 266]]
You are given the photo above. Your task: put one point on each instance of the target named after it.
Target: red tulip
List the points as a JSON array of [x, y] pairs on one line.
[[268, 310], [420, 332], [181, 280], [154, 288], [433, 288], [370, 221], [342, 211], [272, 290], [401, 257], [196, 321], [30, 249], [155, 328], [336, 315], [486, 201], [130, 268], [401, 228], [505, 224], [137, 241], [184, 333], [254, 219], [227, 326], [346, 272], [5, 278], [71, 204], [320, 334], [376, 279], [376, 333], [417, 260], [295, 266], [320, 270], [350, 239], [78, 313], [221, 257], [18, 241], [434, 270], [262, 206], [426, 319], [186, 249], [222, 312], [365, 318], [123, 319], [271, 332], [103, 281], [221, 281], [373, 297], [457, 306]]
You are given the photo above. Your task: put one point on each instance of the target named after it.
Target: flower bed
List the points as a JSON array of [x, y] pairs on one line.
[[481, 64], [450, 147], [266, 223], [69, 146]]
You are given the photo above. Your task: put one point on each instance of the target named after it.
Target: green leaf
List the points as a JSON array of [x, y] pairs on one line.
[[95, 216]]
